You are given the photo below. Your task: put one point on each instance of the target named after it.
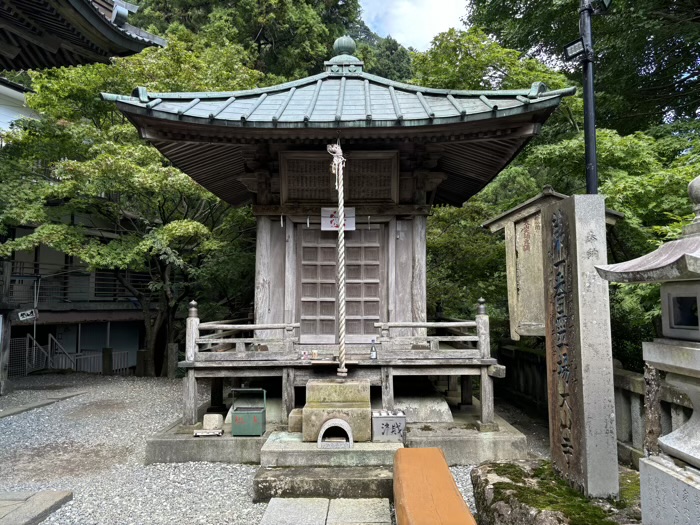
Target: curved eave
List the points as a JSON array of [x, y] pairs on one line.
[[673, 261], [262, 126], [123, 42]]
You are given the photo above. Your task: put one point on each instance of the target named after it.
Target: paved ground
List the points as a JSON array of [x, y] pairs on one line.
[[93, 444], [320, 511]]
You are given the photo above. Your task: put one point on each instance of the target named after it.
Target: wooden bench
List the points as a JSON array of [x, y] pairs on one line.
[[425, 493]]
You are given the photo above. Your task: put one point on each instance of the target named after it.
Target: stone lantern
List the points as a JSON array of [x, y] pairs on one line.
[[671, 482]]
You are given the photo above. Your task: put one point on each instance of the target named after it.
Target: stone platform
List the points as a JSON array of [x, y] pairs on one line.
[[176, 444], [322, 482], [464, 444], [287, 449]]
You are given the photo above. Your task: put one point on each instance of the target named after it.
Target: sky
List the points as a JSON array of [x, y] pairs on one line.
[[412, 22]]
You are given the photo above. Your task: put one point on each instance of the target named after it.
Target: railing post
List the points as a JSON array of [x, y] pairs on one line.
[[482, 329], [487, 422], [107, 362], [192, 333], [289, 339], [189, 414]]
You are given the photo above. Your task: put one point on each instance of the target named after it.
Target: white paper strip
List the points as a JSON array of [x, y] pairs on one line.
[[329, 219]]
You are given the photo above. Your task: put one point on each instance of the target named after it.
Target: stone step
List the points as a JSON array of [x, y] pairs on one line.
[[286, 449], [321, 511], [322, 482]]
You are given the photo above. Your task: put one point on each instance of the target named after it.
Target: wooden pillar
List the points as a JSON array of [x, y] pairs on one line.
[[263, 271], [189, 415], [4, 351], [487, 422], [5, 327], [288, 399], [387, 388], [418, 289]]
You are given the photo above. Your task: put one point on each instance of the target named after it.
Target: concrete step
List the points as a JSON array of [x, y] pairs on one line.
[[286, 449], [321, 511], [322, 482]]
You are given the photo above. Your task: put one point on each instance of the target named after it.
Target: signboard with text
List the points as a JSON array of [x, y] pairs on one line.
[[330, 222]]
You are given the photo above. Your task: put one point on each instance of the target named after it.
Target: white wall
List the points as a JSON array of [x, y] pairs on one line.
[[12, 107]]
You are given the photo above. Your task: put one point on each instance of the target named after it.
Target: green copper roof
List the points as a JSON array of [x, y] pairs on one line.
[[343, 99], [473, 134]]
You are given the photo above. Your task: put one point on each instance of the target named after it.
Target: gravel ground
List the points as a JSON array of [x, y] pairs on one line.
[[93, 444]]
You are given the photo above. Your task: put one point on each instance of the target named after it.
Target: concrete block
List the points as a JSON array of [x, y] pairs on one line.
[[358, 415], [424, 409], [463, 444], [212, 422], [286, 449], [294, 423], [358, 511], [322, 482], [296, 511], [670, 494], [176, 444], [337, 391], [36, 508]]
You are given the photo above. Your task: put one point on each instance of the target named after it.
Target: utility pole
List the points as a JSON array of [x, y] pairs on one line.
[[588, 98]]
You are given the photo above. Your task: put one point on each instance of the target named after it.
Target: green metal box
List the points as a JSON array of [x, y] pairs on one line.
[[248, 421]]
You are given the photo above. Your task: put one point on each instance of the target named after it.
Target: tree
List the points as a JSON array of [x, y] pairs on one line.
[[647, 67], [82, 169], [286, 38]]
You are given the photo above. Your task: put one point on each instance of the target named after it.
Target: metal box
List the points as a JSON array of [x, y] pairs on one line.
[[388, 426], [248, 421]]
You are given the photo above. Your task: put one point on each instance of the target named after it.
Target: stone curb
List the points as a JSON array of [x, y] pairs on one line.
[[36, 507], [37, 404]]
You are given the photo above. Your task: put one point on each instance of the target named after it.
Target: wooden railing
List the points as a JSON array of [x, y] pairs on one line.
[[478, 344], [228, 336]]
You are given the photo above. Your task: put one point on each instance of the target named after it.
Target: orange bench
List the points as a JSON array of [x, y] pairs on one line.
[[425, 493]]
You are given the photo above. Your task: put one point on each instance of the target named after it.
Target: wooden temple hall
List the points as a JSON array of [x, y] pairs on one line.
[[406, 148]]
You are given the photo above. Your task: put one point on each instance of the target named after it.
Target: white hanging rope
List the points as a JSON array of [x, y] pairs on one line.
[[337, 166]]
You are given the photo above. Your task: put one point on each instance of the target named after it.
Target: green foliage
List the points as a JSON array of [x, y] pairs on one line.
[[473, 60], [81, 175], [286, 38], [646, 52], [464, 262]]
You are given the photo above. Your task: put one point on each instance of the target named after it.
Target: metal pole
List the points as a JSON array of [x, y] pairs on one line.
[[588, 99]]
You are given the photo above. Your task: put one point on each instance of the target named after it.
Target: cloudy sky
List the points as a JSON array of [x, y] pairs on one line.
[[412, 22]]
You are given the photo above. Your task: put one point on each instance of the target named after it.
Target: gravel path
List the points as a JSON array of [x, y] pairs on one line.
[[93, 444]]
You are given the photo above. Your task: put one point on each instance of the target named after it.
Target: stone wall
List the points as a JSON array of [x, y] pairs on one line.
[[526, 385]]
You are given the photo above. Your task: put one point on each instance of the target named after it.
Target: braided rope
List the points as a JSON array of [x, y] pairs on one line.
[[337, 166]]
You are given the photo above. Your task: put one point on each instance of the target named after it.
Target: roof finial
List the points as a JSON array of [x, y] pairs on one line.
[[344, 46]]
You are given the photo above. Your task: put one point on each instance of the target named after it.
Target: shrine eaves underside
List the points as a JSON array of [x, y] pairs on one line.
[[470, 135], [37, 34]]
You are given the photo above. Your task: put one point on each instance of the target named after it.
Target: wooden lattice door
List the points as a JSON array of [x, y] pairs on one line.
[[365, 284]]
